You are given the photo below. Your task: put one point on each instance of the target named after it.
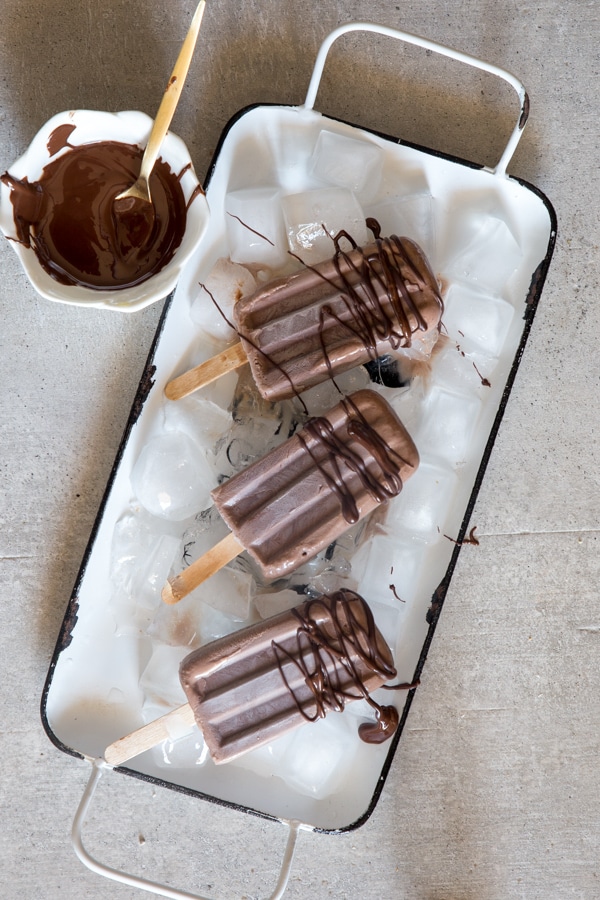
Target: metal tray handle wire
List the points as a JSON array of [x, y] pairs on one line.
[[99, 766], [313, 87]]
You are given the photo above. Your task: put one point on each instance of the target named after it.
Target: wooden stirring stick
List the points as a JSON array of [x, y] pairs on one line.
[[139, 192], [210, 562], [149, 735], [206, 372]]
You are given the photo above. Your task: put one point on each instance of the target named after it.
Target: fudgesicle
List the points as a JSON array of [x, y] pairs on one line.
[[250, 687], [300, 330], [293, 502]]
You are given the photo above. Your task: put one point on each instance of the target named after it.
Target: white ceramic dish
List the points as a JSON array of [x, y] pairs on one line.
[[130, 127], [93, 691]]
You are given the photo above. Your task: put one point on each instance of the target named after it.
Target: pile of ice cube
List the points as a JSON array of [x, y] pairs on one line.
[[272, 228]]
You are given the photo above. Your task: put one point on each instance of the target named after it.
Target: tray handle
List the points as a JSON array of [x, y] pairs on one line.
[[313, 87], [99, 766]]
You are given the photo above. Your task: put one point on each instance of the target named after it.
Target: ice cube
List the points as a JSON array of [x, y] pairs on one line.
[[322, 397], [248, 404], [176, 626], [448, 425], [229, 591], [406, 403], [142, 555], [291, 143], [131, 619], [153, 570], [199, 417], [420, 350], [422, 508], [408, 216], [172, 477], [159, 681], [483, 251], [307, 573], [131, 539], [243, 445], [313, 218], [222, 390], [190, 624], [203, 533], [340, 556], [212, 308], [320, 755], [331, 568], [387, 570], [328, 581], [347, 162], [271, 603], [255, 228], [476, 319], [257, 427], [461, 371], [184, 753]]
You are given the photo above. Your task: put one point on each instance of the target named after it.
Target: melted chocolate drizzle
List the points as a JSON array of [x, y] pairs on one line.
[[256, 347], [337, 452], [324, 657], [379, 275], [253, 230]]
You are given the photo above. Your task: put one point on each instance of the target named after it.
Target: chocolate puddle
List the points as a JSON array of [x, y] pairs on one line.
[[67, 216]]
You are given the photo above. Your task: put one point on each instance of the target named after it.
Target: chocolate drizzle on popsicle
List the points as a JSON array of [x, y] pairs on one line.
[[381, 486], [342, 312], [379, 274], [304, 493], [324, 655]]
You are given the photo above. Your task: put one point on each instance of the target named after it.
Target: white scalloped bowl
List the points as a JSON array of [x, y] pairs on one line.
[[130, 127]]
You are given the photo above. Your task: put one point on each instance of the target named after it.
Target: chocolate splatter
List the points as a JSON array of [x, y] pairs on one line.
[[471, 539]]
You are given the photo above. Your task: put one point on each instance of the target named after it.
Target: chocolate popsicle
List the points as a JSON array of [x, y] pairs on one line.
[[300, 330], [249, 688], [322, 321], [286, 507]]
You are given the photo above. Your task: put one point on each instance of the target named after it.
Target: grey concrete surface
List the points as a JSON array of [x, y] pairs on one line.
[[495, 791]]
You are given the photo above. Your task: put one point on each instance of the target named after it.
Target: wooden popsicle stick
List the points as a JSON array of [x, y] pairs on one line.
[[210, 562], [149, 735], [206, 372]]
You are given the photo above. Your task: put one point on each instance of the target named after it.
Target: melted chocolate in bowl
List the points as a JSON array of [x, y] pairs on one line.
[[68, 218]]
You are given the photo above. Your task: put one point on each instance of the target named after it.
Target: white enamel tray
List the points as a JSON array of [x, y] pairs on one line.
[[490, 238]]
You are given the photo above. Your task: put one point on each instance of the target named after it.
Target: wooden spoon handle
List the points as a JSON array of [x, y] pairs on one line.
[[171, 95]]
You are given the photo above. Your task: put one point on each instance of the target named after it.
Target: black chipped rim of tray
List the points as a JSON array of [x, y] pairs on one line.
[[438, 597]]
